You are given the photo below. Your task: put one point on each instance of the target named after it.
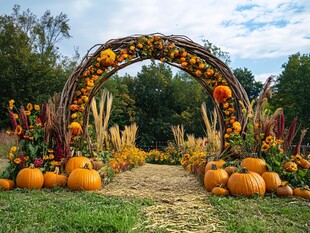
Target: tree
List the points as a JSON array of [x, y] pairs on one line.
[[247, 80], [291, 91], [29, 58]]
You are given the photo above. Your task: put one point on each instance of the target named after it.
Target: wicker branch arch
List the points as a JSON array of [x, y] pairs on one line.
[[104, 60]]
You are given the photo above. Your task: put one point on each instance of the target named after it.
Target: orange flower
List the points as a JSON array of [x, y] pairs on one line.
[[76, 128], [29, 107], [36, 107], [18, 130], [222, 93], [17, 160]]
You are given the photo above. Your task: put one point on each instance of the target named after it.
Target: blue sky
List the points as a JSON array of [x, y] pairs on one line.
[[258, 35]]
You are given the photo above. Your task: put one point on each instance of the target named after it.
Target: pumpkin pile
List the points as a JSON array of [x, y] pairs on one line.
[[252, 179], [81, 177]]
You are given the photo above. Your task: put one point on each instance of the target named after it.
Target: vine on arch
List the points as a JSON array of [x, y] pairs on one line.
[[178, 51]]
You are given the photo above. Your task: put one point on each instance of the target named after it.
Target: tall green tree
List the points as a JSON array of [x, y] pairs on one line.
[[247, 80], [29, 58], [291, 91]]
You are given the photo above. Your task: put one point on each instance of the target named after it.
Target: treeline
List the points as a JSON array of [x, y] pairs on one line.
[[32, 69]]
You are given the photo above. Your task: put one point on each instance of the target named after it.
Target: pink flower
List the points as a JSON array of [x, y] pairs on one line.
[[38, 162]]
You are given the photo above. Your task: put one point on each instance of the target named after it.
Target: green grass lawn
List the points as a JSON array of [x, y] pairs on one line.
[[263, 214], [64, 211]]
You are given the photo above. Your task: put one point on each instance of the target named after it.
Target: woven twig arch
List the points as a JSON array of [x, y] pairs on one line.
[[176, 50]]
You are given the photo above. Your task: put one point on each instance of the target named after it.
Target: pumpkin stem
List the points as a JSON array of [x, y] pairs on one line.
[[86, 166], [56, 171], [213, 167], [31, 165], [244, 170], [78, 153]]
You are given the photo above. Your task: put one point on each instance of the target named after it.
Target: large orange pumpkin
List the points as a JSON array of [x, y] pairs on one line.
[[215, 177], [246, 183], [272, 180], [84, 179], [77, 162], [254, 165], [218, 163], [6, 184], [30, 177], [52, 179]]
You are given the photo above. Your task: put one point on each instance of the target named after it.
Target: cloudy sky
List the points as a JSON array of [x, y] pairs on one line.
[[258, 35]]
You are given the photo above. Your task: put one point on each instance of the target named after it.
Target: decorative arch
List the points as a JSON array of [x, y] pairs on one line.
[[104, 60]]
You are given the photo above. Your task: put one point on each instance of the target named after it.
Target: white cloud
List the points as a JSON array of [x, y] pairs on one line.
[[263, 77]]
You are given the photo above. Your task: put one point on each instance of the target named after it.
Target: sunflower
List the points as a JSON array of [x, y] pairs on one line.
[[222, 93], [18, 130], [29, 107]]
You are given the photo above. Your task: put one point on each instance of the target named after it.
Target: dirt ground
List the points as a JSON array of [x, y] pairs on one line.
[[181, 203]]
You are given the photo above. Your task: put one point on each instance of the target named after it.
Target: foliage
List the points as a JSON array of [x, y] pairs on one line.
[[29, 57], [31, 146], [291, 90], [247, 80], [171, 156]]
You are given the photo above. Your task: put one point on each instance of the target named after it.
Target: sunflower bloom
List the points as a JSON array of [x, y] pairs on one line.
[[36, 107], [17, 161], [18, 130], [29, 107], [222, 93]]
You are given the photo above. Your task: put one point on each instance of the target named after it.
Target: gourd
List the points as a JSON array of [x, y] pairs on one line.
[[284, 190], [290, 166], [215, 177], [246, 183], [30, 177], [6, 184], [304, 163], [304, 193], [219, 191], [84, 178], [52, 179], [272, 180]]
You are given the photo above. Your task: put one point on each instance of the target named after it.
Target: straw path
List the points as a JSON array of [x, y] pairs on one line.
[[181, 203]]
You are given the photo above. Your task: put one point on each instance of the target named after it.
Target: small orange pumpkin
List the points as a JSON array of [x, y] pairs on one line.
[[6, 184], [304, 163], [219, 191], [284, 190], [254, 165], [52, 179], [272, 180], [30, 177], [215, 177], [304, 193], [77, 162], [107, 57], [84, 179], [246, 183], [290, 166], [230, 169]]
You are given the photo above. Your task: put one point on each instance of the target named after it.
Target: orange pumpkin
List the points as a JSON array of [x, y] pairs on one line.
[[219, 191], [218, 163], [246, 183], [290, 166], [304, 163], [52, 179], [84, 179], [304, 193], [30, 177], [230, 169], [272, 180], [254, 165], [6, 184], [215, 177], [77, 162], [107, 57], [284, 190]]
